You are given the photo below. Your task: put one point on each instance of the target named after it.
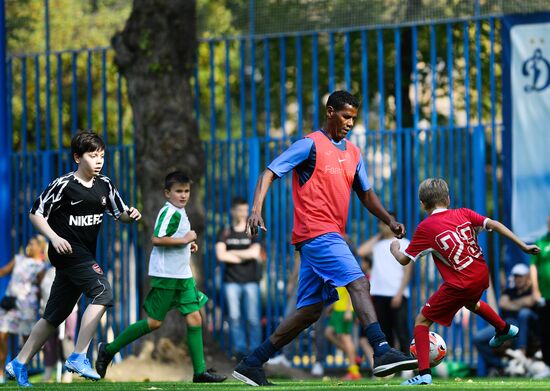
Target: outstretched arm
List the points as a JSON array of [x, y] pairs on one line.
[[365, 249], [371, 201], [255, 220], [398, 254], [493, 225]]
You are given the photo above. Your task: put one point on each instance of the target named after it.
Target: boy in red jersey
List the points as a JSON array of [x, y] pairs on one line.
[[450, 235], [325, 167]]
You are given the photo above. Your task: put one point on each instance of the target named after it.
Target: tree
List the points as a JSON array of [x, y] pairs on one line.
[[154, 52]]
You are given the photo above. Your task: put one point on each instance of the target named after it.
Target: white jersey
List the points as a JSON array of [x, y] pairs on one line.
[[386, 273], [171, 261]]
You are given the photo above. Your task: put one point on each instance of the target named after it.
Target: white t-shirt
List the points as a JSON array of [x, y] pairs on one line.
[[173, 261], [386, 273]]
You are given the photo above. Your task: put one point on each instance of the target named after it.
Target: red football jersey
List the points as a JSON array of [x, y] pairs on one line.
[[450, 236]]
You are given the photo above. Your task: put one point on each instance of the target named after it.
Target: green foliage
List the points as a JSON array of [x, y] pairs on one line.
[[74, 24]]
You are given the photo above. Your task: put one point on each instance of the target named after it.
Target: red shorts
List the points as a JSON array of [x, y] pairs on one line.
[[442, 306]]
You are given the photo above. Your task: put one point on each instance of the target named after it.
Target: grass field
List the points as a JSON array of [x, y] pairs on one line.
[[442, 384]]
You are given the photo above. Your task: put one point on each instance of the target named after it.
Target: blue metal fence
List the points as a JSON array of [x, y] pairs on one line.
[[257, 95], [254, 96]]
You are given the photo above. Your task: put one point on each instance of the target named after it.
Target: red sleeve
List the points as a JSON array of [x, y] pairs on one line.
[[476, 219], [419, 244]]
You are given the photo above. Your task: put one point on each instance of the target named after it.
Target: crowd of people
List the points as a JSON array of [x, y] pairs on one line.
[[328, 280]]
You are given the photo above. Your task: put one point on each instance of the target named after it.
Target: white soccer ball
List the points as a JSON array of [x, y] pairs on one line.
[[438, 349]]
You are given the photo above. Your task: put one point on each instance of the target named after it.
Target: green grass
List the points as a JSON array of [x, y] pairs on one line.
[[370, 384]]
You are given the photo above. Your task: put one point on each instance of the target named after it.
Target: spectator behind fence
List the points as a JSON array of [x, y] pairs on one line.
[[540, 274], [389, 286], [516, 307], [241, 255], [61, 343], [20, 305]]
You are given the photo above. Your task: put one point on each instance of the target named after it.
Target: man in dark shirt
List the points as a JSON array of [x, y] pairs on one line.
[[516, 307], [240, 255]]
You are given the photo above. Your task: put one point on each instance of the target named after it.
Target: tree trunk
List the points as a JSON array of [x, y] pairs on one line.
[[155, 53]]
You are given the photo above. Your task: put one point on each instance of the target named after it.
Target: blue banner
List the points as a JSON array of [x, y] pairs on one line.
[[526, 66]]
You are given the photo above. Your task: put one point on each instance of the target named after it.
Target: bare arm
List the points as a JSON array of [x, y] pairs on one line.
[[224, 255], [535, 283], [169, 241], [255, 220], [60, 245], [253, 252], [371, 201], [132, 214], [504, 231], [398, 254], [515, 305], [365, 249], [7, 269]]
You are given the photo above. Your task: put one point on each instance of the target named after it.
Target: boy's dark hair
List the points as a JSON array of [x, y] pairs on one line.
[[176, 177], [238, 201], [338, 99], [433, 192], [86, 141]]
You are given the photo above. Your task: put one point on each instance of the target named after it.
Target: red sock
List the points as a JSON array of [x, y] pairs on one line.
[[490, 316], [422, 342]]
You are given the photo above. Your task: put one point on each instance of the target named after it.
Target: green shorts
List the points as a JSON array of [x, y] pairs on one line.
[[167, 294], [338, 323]]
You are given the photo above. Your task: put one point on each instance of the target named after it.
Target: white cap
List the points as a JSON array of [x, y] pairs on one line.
[[520, 269]]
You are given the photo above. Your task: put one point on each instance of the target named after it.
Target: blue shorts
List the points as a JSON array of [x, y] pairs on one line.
[[326, 263]]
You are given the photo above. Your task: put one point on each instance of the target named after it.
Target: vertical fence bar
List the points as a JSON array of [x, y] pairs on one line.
[[365, 103], [299, 98], [253, 103], [315, 79], [433, 127], [212, 92], [381, 110], [37, 110], [228, 119], [13, 160], [331, 81], [59, 82], [89, 91], [74, 92], [197, 89], [451, 150], [494, 161], [347, 60], [267, 81], [104, 94], [228, 127], [399, 125], [5, 148], [22, 197], [467, 172], [242, 97], [478, 150], [282, 83], [416, 217]]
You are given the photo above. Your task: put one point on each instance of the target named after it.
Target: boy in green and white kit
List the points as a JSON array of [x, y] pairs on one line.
[[172, 282]]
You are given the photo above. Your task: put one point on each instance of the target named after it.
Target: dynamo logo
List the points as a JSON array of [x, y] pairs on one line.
[[537, 68]]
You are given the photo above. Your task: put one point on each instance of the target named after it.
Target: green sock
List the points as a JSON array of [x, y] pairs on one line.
[[194, 344], [128, 335]]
